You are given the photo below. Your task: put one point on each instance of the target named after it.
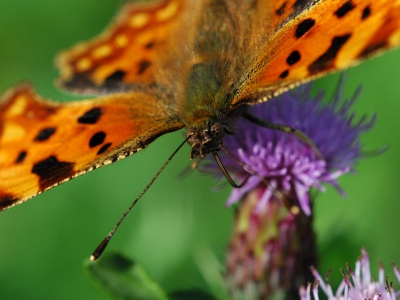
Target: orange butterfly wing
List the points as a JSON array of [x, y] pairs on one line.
[[328, 36], [123, 56], [281, 11], [45, 143]]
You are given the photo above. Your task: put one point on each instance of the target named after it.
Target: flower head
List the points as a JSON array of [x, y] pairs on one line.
[[272, 247], [357, 285], [287, 163]]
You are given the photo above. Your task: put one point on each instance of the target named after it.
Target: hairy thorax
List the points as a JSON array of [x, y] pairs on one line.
[[206, 111]]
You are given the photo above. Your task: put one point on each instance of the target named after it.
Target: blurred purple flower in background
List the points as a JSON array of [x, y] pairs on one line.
[[358, 285]]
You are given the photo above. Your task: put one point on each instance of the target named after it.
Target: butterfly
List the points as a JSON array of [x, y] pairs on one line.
[[166, 65]]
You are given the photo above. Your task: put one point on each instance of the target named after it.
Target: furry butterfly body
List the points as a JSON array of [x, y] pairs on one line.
[[173, 64]]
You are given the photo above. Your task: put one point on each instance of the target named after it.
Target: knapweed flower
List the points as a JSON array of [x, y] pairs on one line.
[[287, 163], [357, 285], [273, 243]]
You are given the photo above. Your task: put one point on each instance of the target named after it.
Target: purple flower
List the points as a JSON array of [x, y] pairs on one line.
[[357, 285], [272, 247], [288, 164]]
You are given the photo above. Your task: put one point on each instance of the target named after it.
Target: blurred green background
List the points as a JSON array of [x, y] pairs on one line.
[[44, 241]]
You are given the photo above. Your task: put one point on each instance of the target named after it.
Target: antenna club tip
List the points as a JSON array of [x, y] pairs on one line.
[[93, 258]]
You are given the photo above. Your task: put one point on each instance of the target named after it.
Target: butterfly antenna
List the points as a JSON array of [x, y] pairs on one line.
[[226, 174], [102, 246], [294, 209]]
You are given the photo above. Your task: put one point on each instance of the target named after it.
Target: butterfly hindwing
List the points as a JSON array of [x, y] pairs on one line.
[[45, 143]]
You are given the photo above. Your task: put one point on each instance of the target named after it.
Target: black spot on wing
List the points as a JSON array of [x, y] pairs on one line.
[[45, 134], [91, 116], [149, 45], [97, 139], [293, 58], [281, 9], [116, 76], [284, 74], [304, 27], [52, 171], [325, 61], [366, 12], [103, 148], [143, 66], [21, 157], [344, 9], [7, 200], [372, 48]]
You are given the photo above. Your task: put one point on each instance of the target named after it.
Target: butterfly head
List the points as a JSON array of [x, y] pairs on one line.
[[204, 141]]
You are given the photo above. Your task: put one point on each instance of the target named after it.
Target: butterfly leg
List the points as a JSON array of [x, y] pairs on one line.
[[226, 174], [287, 129]]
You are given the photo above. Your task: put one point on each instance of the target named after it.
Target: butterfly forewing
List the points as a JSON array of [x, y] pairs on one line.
[[45, 143], [282, 11], [124, 55], [328, 36]]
